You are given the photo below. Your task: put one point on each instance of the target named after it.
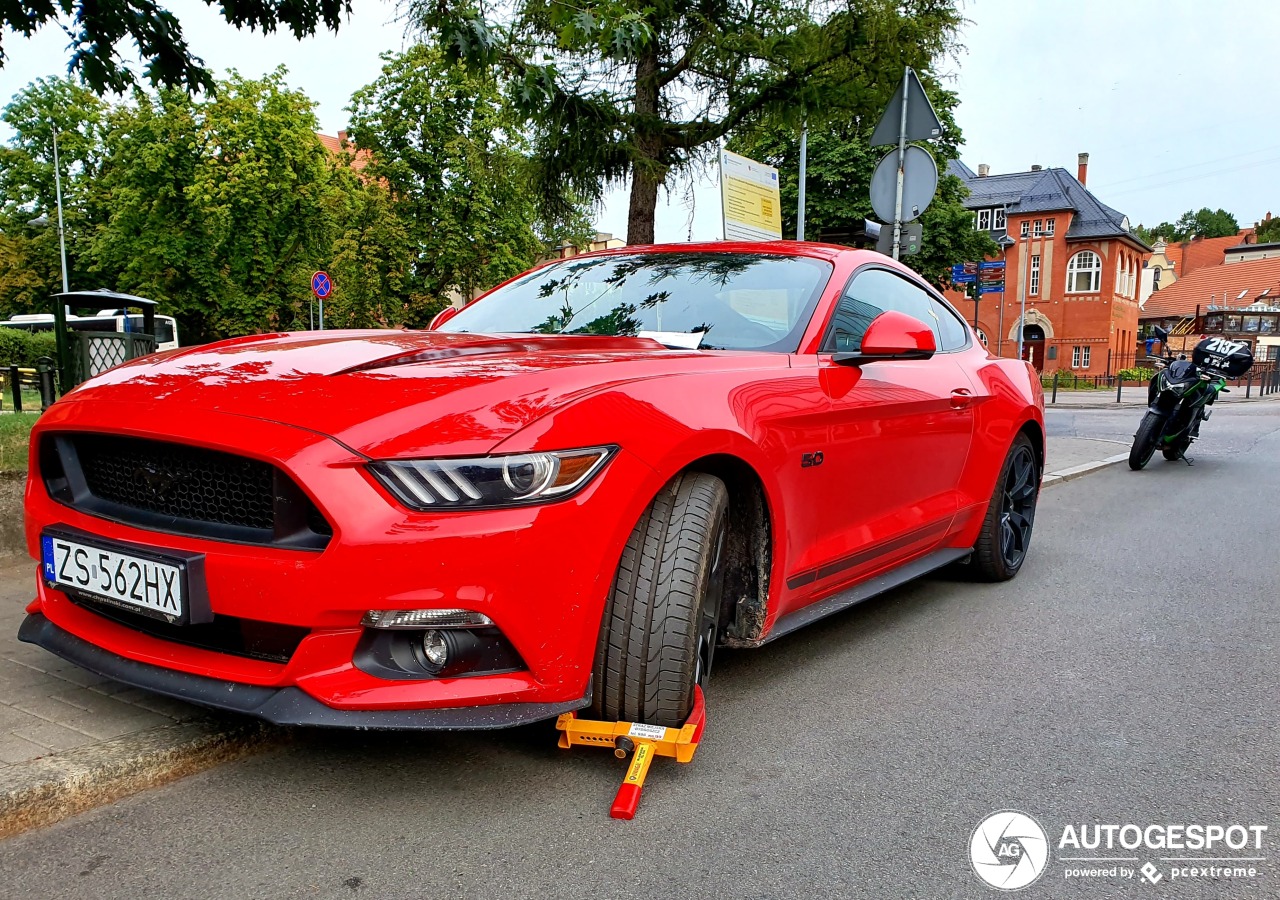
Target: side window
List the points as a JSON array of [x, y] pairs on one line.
[[953, 333], [872, 292]]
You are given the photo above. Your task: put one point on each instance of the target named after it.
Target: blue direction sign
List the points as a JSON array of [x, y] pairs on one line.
[[963, 279], [321, 285], [991, 288], [993, 264]]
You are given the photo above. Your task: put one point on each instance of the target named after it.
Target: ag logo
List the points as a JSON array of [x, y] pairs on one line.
[[1008, 850], [808, 460]]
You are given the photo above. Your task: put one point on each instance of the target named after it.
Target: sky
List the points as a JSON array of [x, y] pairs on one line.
[[1166, 96]]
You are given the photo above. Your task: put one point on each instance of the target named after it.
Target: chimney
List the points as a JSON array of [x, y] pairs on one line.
[[983, 170], [342, 138], [1036, 167], [1083, 161]]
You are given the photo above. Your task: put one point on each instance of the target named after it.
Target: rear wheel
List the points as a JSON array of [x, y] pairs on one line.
[[1144, 441], [1006, 531], [661, 622]]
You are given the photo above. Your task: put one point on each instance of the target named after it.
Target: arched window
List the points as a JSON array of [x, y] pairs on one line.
[[981, 336], [1084, 273], [1155, 277]]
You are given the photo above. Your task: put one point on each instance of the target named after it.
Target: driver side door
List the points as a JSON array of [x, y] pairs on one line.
[[898, 433]]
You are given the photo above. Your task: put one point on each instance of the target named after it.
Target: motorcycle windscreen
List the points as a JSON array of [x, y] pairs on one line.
[[1231, 358]]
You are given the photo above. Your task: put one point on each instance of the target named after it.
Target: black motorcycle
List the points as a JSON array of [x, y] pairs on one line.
[[1180, 395]]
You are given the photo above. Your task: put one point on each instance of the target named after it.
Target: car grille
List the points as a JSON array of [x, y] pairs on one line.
[[181, 489]]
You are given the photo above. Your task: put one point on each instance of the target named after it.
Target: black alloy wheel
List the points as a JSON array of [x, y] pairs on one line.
[[1018, 506]]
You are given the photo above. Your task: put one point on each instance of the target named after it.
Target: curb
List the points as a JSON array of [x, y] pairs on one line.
[[1083, 469], [52, 788]]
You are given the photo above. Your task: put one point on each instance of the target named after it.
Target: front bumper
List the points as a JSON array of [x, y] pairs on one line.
[[280, 706], [541, 574]]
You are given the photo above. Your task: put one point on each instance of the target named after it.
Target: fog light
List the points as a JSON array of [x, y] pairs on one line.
[[435, 649], [424, 618]]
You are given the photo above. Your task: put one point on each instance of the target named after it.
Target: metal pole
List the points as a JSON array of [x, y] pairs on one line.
[[1055, 387], [1022, 297], [902, 156], [322, 314], [804, 159], [62, 239]]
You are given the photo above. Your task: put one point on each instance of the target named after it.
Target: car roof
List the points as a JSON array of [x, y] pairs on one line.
[[773, 248]]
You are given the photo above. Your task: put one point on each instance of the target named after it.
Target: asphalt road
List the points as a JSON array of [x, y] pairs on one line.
[[1128, 676]]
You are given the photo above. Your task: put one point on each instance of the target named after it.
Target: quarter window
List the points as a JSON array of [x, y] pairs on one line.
[[1084, 273]]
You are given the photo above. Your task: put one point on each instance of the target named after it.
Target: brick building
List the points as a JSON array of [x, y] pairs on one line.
[[1070, 256]]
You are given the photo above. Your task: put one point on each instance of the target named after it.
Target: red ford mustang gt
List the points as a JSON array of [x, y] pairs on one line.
[[567, 495]]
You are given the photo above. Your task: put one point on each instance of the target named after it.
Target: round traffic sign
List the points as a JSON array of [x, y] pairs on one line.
[[919, 183], [321, 285]]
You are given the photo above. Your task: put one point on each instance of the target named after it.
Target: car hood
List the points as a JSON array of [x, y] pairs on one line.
[[398, 393]]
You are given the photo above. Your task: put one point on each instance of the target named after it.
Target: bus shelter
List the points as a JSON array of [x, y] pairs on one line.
[[83, 354]]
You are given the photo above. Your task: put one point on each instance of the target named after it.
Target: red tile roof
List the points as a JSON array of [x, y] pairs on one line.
[[1220, 285], [339, 144], [1208, 251]]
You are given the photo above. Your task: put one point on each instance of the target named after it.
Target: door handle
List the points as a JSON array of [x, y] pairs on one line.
[[961, 398]]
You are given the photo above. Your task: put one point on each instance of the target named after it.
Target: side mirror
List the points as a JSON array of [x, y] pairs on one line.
[[443, 316], [892, 335]]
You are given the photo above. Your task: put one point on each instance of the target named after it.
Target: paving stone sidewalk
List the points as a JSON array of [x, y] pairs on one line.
[[50, 706]]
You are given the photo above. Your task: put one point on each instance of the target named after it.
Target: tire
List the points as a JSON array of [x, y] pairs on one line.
[[1006, 530], [1144, 441], [661, 621]]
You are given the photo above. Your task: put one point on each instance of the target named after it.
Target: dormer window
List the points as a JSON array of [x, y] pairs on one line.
[[991, 219]]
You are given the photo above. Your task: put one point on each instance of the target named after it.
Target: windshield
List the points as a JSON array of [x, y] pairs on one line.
[[717, 301]]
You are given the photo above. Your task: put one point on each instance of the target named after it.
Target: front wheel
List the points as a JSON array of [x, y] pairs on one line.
[[1144, 441], [661, 622]]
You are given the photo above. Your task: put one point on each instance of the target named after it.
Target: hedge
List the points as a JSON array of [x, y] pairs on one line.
[[22, 348]]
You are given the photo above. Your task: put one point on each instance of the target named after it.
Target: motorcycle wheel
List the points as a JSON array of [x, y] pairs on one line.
[[1144, 442]]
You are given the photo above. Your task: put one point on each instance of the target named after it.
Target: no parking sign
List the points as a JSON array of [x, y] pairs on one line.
[[321, 285]]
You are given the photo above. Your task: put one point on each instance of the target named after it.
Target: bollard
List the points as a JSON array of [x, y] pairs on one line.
[[1055, 388], [15, 386], [1248, 386], [44, 375], [1119, 387]]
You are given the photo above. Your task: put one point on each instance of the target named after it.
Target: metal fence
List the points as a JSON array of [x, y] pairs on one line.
[[1260, 381]]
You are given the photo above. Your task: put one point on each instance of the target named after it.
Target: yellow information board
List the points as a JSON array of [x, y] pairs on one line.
[[749, 198]]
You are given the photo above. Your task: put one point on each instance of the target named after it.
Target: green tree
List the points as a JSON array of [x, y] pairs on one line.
[[30, 268], [445, 143], [220, 208], [629, 89], [98, 26], [838, 186], [1269, 230], [1205, 223]]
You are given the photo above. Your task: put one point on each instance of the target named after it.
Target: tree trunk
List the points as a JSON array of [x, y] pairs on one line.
[[647, 170]]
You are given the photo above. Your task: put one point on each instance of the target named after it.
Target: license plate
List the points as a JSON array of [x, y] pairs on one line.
[[149, 586]]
